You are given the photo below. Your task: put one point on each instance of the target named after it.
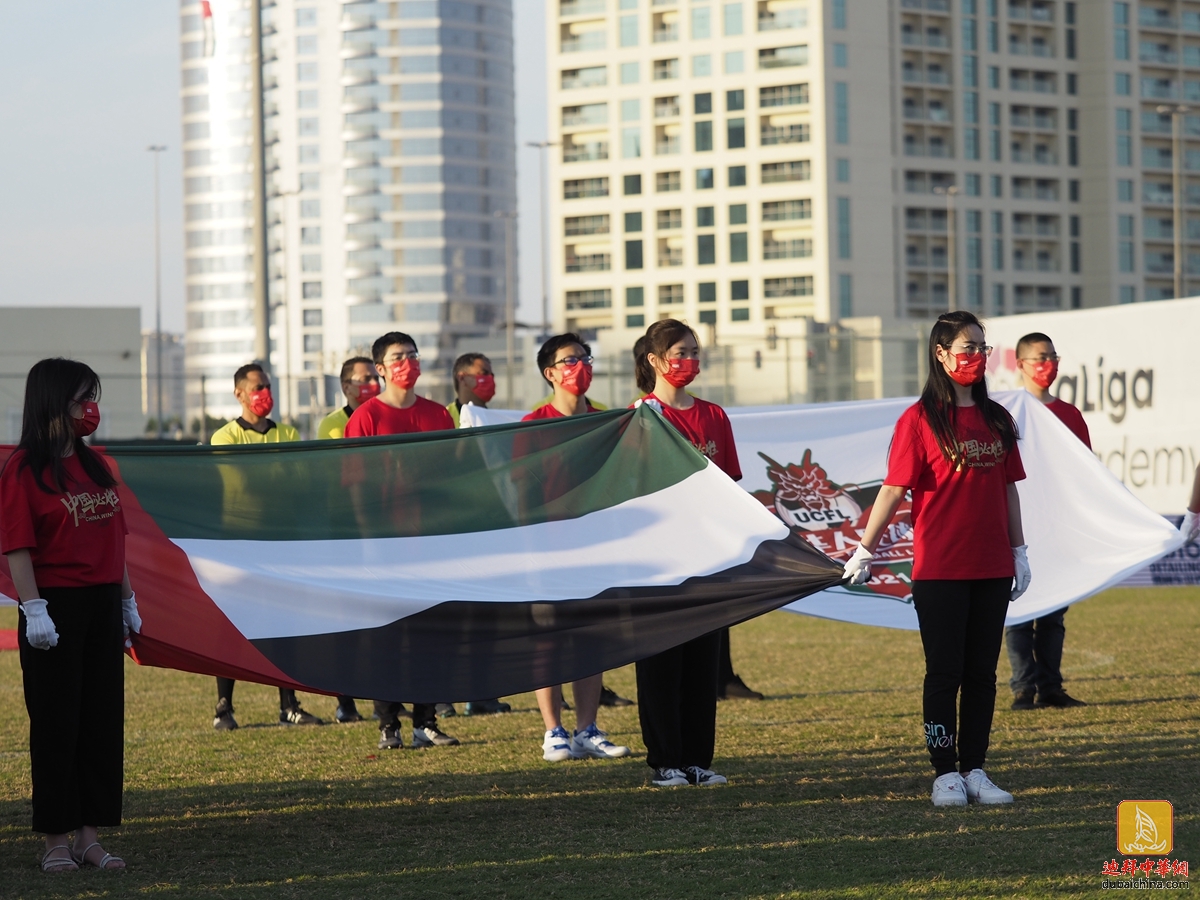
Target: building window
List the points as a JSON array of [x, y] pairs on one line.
[[735, 101], [739, 247], [1125, 190], [971, 71], [739, 290], [998, 299], [839, 14], [845, 298], [739, 314], [670, 294], [843, 171], [1128, 294], [773, 173], [633, 222], [666, 182], [636, 321], [311, 290], [706, 292], [633, 255], [701, 23], [635, 296], [705, 217], [704, 179], [735, 62], [313, 343], [971, 143], [631, 143], [737, 214], [841, 56], [706, 250], [628, 31], [306, 99], [973, 184], [593, 299], [735, 133], [701, 65], [633, 185], [843, 227], [733, 19], [704, 139], [737, 176], [587, 187], [666, 69], [997, 185], [796, 286], [312, 318], [783, 95], [841, 112], [629, 73], [1124, 84]]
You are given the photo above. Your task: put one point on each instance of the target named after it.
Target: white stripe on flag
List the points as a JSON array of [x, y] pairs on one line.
[[271, 589]]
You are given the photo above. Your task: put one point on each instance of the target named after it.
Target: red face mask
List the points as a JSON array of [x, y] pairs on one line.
[[90, 420], [577, 378], [405, 372], [366, 389], [485, 387], [682, 372], [261, 402], [970, 368], [1044, 373]]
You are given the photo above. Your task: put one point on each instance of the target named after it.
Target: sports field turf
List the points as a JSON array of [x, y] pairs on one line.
[[828, 794]]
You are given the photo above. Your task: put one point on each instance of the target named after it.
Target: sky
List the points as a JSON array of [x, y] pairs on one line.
[[84, 95]]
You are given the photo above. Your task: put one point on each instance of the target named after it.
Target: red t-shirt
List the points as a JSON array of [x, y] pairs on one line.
[[376, 417], [1072, 418], [960, 516], [76, 537], [547, 411], [707, 427]]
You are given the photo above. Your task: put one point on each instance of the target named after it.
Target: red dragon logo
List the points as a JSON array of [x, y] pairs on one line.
[[832, 517]]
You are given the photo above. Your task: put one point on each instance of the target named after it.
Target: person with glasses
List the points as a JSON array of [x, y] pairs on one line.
[[398, 409], [565, 361], [677, 689], [252, 388], [1035, 648], [956, 451]]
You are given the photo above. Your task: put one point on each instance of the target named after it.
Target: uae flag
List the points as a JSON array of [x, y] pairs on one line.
[[447, 565]]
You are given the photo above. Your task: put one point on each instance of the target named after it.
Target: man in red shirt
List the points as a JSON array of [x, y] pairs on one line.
[[399, 410], [1035, 648]]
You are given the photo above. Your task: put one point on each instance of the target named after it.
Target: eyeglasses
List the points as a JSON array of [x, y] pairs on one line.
[[1041, 359], [971, 349], [410, 355], [572, 360]]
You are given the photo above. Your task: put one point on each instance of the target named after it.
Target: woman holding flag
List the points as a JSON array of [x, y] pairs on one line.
[[677, 689], [956, 450]]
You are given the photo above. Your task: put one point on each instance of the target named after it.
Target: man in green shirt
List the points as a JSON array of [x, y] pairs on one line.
[[252, 388], [359, 384]]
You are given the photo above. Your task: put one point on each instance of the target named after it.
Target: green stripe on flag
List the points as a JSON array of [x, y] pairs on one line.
[[447, 482]]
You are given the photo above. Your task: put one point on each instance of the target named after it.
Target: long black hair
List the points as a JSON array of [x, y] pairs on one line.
[[938, 398], [658, 339], [48, 429]]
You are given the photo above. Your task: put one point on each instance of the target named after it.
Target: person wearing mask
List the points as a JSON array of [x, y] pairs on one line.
[[63, 531], [1035, 648], [956, 450], [398, 409], [359, 384], [565, 361], [252, 388], [677, 689]]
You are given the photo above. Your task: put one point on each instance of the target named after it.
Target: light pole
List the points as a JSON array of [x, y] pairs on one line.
[[156, 149], [510, 306], [1177, 114], [541, 147], [951, 246]]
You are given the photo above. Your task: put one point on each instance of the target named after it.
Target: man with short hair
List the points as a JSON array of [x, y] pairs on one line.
[[252, 388], [565, 361], [1035, 648], [398, 409]]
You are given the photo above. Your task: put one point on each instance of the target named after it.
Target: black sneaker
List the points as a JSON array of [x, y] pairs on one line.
[[737, 690], [390, 737], [1023, 700], [1060, 699], [609, 697], [446, 710], [431, 736], [224, 720], [347, 713], [297, 716], [486, 707], [703, 777]]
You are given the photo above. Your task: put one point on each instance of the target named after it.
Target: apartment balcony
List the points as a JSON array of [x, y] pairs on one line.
[[350, 79], [598, 262], [360, 162], [357, 51], [782, 21], [937, 114], [364, 244], [588, 115], [666, 107], [783, 57], [784, 134], [581, 7], [1161, 57], [1033, 13], [362, 271], [932, 149], [665, 34], [593, 151], [668, 146], [359, 132], [584, 43], [932, 5], [1150, 17], [357, 23], [359, 106]]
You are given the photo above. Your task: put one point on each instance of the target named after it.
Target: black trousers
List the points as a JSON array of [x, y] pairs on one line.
[[287, 697], [75, 695], [725, 673], [677, 704], [962, 626], [422, 713], [1035, 650]]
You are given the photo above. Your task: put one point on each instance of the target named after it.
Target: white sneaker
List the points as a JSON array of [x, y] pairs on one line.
[[981, 790], [556, 746], [949, 790], [704, 777], [595, 743], [669, 778]]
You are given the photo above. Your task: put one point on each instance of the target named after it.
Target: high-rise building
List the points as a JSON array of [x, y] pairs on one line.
[[389, 130], [746, 163]]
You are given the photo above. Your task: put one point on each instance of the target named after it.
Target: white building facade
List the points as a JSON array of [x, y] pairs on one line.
[[390, 151]]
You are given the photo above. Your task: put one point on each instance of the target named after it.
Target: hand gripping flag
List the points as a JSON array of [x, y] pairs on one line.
[[447, 564]]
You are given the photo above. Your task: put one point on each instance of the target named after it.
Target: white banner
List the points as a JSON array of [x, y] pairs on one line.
[[819, 468], [1131, 371]]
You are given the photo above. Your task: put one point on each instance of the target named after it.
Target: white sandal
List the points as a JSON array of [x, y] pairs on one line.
[[52, 866], [81, 858]]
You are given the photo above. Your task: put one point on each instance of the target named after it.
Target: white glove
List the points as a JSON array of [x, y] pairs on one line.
[[1021, 578], [653, 403], [858, 567], [39, 627], [129, 615], [1190, 526]]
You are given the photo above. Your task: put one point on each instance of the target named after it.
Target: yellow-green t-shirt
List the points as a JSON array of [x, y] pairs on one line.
[[592, 403], [334, 424], [236, 433], [244, 508]]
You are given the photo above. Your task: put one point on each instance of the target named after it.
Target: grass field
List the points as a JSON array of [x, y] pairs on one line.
[[828, 794]]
